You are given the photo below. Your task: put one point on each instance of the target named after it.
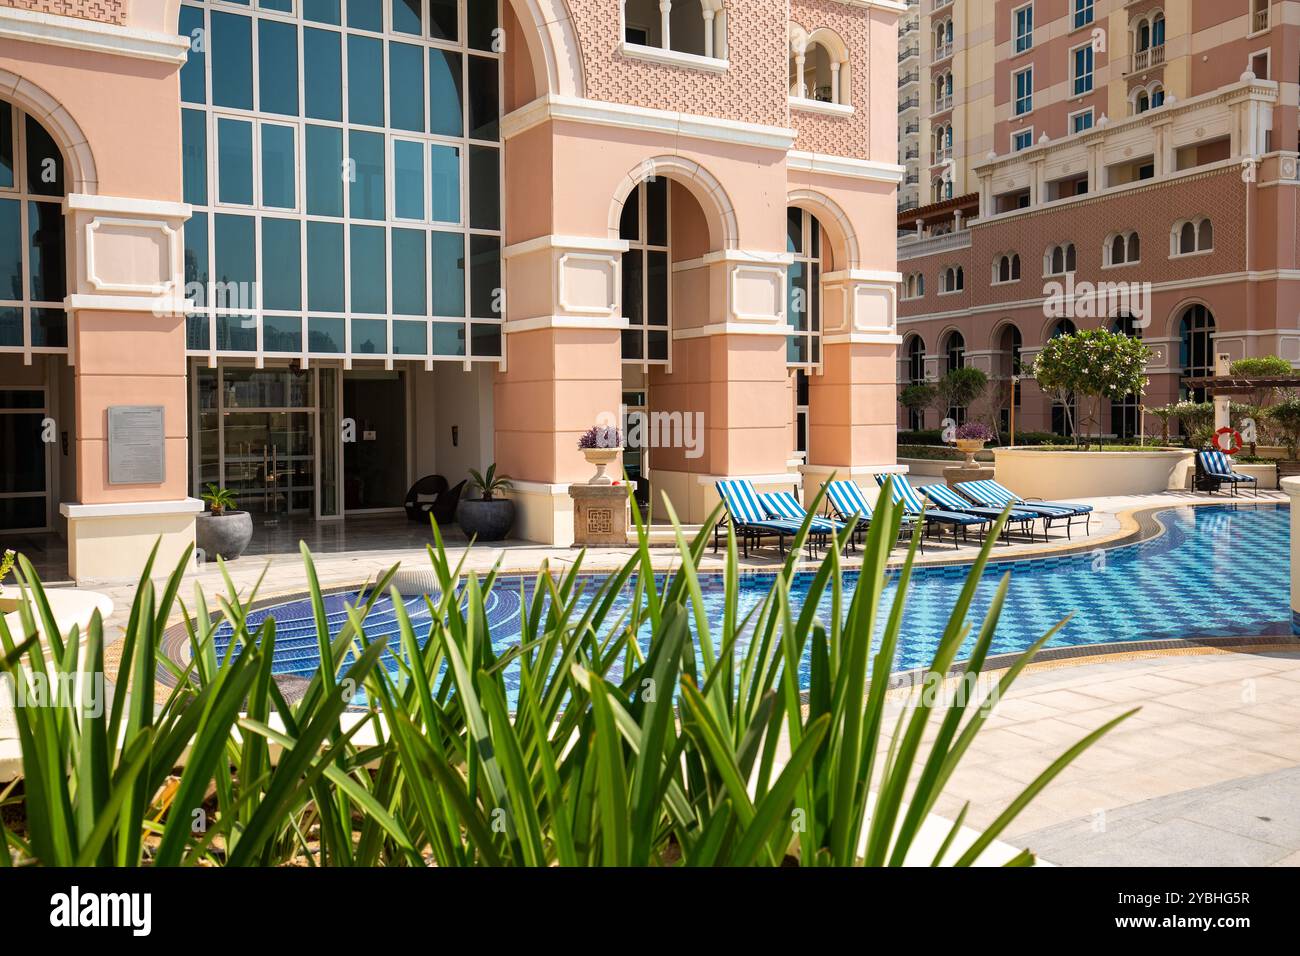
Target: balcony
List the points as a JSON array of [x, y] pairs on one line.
[[912, 128], [914, 248], [1149, 58], [911, 103], [1259, 21], [943, 104], [908, 53], [908, 79], [942, 52]]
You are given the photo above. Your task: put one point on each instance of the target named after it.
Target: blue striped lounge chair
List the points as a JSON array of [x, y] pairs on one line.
[[992, 494], [1214, 470], [941, 496], [745, 513], [844, 500], [904, 494], [783, 504]]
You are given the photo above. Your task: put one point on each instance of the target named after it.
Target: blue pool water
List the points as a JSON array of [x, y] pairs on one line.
[[1216, 572]]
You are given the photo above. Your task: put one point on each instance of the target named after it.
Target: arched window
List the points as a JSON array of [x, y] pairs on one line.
[[1008, 346], [1196, 348], [1059, 260], [819, 67], [915, 352], [1157, 96], [1123, 249], [1006, 268], [954, 279], [696, 27], [1126, 413], [1192, 236], [804, 241], [954, 351], [1064, 327], [647, 278]]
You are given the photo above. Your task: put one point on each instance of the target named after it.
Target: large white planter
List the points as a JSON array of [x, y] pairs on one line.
[[1266, 475], [1091, 474]]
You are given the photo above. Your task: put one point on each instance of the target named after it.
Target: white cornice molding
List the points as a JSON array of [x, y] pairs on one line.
[[732, 328], [820, 106], [614, 322], [565, 243], [159, 305], [74, 511], [53, 30], [864, 276], [125, 205], [691, 61], [600, 113], [846, 166]]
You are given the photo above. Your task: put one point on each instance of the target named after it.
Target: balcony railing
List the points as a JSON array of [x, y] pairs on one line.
[[908, 78], [1259, 23], [942, 52], [911, 129], [911, 103], [1148, 58], [908, 53], [942, 104], [914, 248]]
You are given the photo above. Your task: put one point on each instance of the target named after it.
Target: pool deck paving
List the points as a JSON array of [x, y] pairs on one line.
[[1206, 773]]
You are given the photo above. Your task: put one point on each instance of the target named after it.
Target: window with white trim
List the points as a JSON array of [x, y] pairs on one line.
[[1060, 260], [805, 242], [1123, 249], [1081, 60], [1081, 121], [1006, 268], [1022, 27], [647, 273], [695, 27], [954, 280], [1024, 85], [1191, 236], [1022, 139], [1083, 12]]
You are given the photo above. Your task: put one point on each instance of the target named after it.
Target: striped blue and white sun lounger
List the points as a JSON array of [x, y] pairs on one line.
[[845, 499], [903, 494], [992, 494], [944, 497], [748, 516], [1216, 471]]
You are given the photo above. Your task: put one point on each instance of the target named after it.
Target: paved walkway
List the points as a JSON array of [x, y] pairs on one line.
[[1207, 773]]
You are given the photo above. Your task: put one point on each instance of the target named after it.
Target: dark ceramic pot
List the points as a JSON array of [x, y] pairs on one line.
[[225, 535], [488, 520]]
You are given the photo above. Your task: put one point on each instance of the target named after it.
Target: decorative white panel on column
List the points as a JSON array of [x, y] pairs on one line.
[[128, 254]]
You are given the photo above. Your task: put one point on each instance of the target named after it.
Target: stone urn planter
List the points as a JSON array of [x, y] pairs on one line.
[[224, 535], [970, 447], [602, 458], [487, 519]]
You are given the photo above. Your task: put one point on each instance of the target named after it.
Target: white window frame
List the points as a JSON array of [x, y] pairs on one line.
[[1086, 48], [1022, 103], [1078, 7], [1016, 134], [1090, 112], [1016, 35]]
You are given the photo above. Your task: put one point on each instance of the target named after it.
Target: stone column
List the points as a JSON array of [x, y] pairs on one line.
[[563, 372], [852, 422], [128, 346]]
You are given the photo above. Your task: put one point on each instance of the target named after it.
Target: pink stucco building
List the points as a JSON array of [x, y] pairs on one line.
[[1126, 163], [315, 249]]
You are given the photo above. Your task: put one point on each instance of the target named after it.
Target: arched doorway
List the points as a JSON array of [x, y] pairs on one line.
[[36, 457], [954, 352], [915, 352], [1006, 370]]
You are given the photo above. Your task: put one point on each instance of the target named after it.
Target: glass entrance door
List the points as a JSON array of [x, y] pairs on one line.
[[374, 453], [255, 434], [24, 460]]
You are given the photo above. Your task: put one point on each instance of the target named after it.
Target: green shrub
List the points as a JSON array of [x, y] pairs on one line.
[[1267, 366], [634, 741]]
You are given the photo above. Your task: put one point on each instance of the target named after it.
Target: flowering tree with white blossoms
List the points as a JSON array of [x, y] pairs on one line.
[[1091, 365]]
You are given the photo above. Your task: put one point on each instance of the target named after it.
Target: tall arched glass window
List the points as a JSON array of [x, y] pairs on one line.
[[344, 166], [1196, 349], [954, 349], [33, 268], [1126, 414], [916, 376], [1060, 420], [647, 279], [805, 242]]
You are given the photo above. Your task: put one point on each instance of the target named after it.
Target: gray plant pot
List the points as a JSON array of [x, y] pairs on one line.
[[486, 520], [225, 535]]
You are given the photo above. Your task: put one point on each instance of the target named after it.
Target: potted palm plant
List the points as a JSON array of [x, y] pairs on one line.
[[222, 531], [485, 516], [601, 445], [7, 603]]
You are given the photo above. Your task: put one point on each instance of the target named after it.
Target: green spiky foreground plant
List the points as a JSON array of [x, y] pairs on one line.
[[620, 750]]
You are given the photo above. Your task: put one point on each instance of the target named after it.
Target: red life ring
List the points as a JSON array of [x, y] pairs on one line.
[[1236, 440]]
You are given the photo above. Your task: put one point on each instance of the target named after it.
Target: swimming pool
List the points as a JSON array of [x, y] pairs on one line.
[[1218, 571]]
